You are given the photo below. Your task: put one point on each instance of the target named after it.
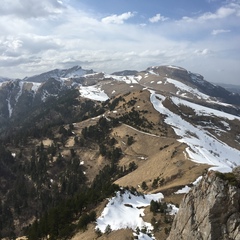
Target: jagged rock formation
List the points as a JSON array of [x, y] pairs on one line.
[[210, 211]]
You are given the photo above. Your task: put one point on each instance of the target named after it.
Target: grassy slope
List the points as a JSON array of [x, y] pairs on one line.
[[157, 155]]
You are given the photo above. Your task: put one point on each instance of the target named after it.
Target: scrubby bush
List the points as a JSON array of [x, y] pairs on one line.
[[230, 177]]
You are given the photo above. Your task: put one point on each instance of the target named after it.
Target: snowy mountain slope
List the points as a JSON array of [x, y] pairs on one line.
[[156, 77], [159, 119], [202, 110], [167, 80], [176, 84], [19, 98], [171, 79], [203, 147], [184, 90]]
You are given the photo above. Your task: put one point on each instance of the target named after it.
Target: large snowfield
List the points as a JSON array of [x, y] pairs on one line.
[[203, 147]]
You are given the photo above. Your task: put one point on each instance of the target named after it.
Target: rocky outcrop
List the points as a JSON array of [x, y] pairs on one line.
[[210, 211]]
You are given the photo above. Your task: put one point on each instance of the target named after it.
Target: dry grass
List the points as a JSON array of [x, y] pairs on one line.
[[155, 157], [157, 154], [89, 234]]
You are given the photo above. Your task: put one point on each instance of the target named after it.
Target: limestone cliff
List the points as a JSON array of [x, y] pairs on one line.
[[210, 211]]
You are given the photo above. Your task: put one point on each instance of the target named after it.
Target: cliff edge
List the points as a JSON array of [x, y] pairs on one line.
[[211, 210]]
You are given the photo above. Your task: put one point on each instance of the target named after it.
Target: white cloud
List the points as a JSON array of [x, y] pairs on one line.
[[118, 19], [235, 6], [219, 31], [203, 52], [10, 44], [31, 8], [222, 12], [61, 36], [157, 18]]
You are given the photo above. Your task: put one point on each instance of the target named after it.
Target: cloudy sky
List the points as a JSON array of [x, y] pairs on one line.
[[202, 36]]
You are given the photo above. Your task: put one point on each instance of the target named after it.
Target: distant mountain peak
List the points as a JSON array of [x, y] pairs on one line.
[[73, 72], [4, 79], [125, 73]]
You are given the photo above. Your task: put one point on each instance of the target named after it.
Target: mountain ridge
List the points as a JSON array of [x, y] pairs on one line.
[[75, 71], [156, 130]]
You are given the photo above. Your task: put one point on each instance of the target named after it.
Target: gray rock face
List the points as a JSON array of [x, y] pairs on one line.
[[210, 211]]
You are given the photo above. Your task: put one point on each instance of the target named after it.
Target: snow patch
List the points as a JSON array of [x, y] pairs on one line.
[[186, 189], [10, 109], [138, 78], [35, 86], [173, 209], [127, 79], [226, 125], [197, 180], [186, 88], [125, 211], [204, 111], [20, 91], [93, 92], [45, 94], [153, 73], [175, 67]]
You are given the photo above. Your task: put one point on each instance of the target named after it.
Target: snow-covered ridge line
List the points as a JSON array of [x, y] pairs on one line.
[[202, 146], [74, 72]]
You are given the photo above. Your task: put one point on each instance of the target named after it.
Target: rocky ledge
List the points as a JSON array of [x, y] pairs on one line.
[[211, 210]]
